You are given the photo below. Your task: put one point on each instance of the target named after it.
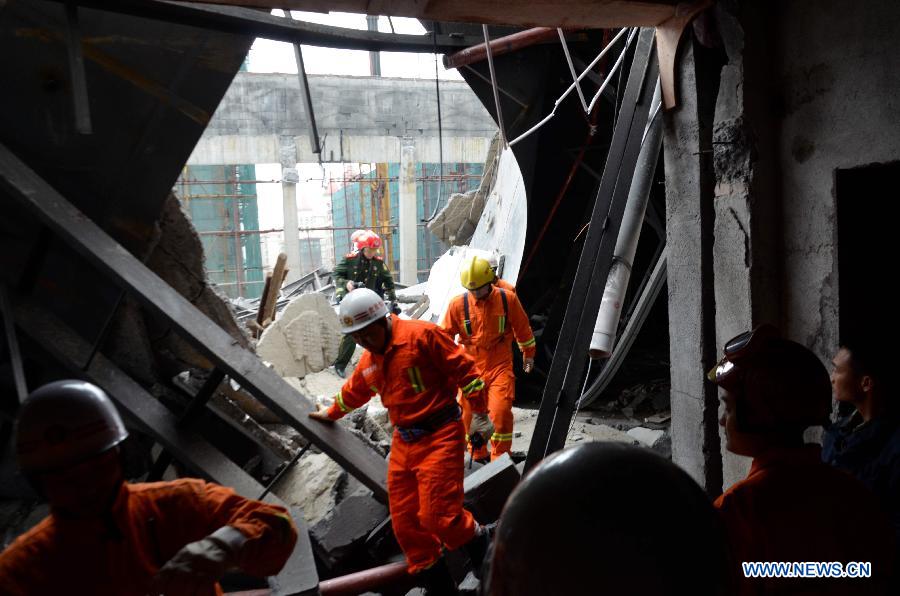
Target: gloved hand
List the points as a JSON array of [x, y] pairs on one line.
[[481, 425], [320, 414], [528, 365], [199, 564], [394, 307]]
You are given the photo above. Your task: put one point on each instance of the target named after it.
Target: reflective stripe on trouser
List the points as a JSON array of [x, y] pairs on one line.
[[345, 351], [501, 388], [425, 494]]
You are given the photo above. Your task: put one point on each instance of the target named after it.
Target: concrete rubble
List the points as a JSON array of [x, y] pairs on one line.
[[456, 222], [303, 339]]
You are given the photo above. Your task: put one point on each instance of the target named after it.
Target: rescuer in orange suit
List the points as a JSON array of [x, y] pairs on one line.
[[485, 317], [416, 368], [792, 507], [105, 536]]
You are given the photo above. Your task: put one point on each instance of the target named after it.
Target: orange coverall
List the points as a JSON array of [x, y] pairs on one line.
[[487, 338], [791, 507], [504, 285], [417, 378], [147, 525]]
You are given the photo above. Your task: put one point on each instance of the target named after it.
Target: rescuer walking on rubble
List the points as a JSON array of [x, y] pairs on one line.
[[485, 318], [105, 536], [363, 268], [416, 368]]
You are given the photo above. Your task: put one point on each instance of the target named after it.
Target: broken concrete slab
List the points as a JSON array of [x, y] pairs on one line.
[[312, 486], [340, 537], [646, 436], [303, 339], [487, 489]]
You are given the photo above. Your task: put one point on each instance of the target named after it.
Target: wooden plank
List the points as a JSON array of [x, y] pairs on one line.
[[267, 308], [110, 258], [145, 412]]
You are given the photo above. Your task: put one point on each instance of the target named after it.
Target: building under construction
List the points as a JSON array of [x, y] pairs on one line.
[[665, 176]]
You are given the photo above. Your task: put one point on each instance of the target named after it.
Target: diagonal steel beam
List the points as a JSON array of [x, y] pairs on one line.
[[564, 382], [127, 272], [246, 21], [146, 413]]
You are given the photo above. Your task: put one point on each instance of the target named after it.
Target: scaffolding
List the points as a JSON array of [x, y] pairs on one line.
[[225, 213]]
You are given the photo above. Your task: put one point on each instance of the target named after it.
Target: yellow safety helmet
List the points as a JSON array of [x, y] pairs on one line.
[[476, 273]]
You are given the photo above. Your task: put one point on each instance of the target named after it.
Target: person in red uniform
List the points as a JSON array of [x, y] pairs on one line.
[[105, 536], [792, 507], [486, 318], [416, 368]]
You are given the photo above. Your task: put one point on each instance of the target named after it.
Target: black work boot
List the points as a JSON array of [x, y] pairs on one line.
[[437, 580], [477, 547]]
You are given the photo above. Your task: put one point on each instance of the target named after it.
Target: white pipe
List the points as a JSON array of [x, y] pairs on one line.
[[604, 335]]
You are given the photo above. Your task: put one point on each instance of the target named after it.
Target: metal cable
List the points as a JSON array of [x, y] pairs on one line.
[[437, 89], [582, 75]]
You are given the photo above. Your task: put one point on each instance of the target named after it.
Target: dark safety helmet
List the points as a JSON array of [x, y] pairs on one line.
[[64, 423], [608, 518], [777, 383]]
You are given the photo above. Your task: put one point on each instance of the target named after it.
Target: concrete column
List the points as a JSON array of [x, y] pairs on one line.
[[746, 266], [287, 149], [408, 216], [687, 145]]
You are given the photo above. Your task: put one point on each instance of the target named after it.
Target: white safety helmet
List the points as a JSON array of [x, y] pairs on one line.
[[494, 260], [64, 423], [359, 308]]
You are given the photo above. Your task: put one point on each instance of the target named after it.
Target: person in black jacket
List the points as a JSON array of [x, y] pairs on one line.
[[866, 442]]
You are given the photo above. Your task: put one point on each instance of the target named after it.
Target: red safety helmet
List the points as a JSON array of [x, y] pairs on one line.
[[777, 383], [369, 240]]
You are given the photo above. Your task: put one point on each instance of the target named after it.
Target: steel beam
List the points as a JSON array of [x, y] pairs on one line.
[[146, 413], [246, 21], [564, 382], [123, 269], [12, 342]]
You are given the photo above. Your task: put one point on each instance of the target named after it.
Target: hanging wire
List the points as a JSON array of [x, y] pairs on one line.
[[578, 403], [565, 47], [437, 90], [581, 76], [490, 59]]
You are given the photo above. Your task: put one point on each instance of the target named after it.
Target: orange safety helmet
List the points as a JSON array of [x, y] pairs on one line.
[[64, 423]]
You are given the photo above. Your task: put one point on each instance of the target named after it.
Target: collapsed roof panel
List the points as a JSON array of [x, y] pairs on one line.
[[151, 89]]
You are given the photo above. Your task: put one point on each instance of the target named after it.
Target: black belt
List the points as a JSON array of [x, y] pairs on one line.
[[411, 434]]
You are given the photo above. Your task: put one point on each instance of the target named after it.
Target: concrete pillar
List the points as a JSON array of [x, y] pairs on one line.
[[408, 213], [687, 145], [287, 150], [746, 266]]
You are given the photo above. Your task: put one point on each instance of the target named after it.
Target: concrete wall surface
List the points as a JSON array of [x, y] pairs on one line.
[[839, 82], [358, 119], [809, 87]]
